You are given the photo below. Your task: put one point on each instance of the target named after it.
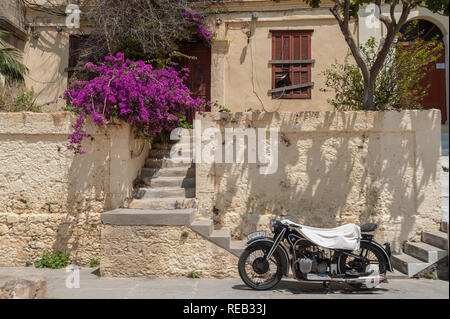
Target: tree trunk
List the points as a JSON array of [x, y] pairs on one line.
[[368, 97]]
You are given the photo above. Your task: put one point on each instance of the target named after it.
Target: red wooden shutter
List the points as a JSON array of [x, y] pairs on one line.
[[287, 48]]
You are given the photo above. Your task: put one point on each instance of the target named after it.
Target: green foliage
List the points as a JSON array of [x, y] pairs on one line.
[[183, 123], [15, 99], [219, 108], [94, 263], [431, 276], [436, 6], [132, 49], [25, 102], [193, 275], [169, 60], [55, 260], [10, 66], [398, 85], [184, 234], [215, 11]]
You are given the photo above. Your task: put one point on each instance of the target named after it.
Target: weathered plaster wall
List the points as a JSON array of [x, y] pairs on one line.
[[12, 10], [51, 199], [162, 252], [334, 168], [241, 75]]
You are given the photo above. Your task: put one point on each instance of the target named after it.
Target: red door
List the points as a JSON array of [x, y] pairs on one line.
[[435, 77], [199, 80], [436, 98]]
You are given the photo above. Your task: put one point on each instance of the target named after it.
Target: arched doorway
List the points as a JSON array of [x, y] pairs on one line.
[[435, 77]]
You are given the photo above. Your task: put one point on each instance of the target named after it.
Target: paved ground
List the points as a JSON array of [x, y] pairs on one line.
[[92, 286]]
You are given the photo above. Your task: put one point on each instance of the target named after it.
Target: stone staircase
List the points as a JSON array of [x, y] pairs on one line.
[[419, 256], [166, 197]]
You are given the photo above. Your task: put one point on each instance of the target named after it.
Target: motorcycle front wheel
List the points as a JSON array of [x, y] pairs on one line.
[[258, 273]]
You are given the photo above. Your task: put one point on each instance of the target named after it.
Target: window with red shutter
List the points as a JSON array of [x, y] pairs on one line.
[[291, 64]]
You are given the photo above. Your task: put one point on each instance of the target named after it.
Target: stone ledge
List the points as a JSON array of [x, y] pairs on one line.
[[148, 217], [30, 287], [30, 123]]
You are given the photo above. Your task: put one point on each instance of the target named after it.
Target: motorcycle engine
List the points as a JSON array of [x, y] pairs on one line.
[[312, 265], [312, 260]]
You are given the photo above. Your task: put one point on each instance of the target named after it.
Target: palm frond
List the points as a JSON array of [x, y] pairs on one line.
[[10, 66]]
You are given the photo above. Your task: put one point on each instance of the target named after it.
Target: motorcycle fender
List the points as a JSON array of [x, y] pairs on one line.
[[269, 242], [380, 248]]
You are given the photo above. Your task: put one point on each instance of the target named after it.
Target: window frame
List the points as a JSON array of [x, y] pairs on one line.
[[75, 42], [296, 63]]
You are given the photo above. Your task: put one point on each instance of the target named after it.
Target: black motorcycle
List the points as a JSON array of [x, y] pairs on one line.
[[345, 254]]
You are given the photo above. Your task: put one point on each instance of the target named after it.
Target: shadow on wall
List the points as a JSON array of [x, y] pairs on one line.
[[336, 168], [78, 232], [47, 57], [51, 200], [100, 180]]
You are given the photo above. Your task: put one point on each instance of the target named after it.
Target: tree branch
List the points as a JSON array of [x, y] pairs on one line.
[[350, 41], [390, 36]]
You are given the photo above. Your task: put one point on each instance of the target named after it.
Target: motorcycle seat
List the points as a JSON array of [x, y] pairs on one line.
[[367, 228], [344, 237]]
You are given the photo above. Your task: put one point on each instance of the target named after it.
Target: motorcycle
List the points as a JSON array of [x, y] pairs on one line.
[[346, 254]]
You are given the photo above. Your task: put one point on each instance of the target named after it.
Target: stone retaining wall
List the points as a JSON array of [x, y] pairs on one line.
[[162, 252], [52, 200], [334, 168]]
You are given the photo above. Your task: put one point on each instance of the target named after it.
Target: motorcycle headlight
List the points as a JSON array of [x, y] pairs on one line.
[[273, 225]]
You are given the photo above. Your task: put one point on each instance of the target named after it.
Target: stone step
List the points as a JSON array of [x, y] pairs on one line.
[[163, 203], [425, 252], [444, 227], [438, 239], [169, 182], [168, 146], [204, 227], [175, 153], [237, 247], [148, 217], [408, 264], [168, 172], [168, 163], [221, 237], [164, 192]]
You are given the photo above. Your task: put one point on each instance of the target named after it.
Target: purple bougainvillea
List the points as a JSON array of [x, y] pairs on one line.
[[149, 100], [196, 20]]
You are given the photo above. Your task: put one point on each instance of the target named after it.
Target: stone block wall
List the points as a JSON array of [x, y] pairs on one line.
[[51, 200], [162, 252]]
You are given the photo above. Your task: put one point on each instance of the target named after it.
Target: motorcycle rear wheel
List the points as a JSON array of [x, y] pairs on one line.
[[256, 272], [374, 256]]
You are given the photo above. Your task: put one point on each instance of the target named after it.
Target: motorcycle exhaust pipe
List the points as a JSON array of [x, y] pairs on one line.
[[358, 280], [368, 279]]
